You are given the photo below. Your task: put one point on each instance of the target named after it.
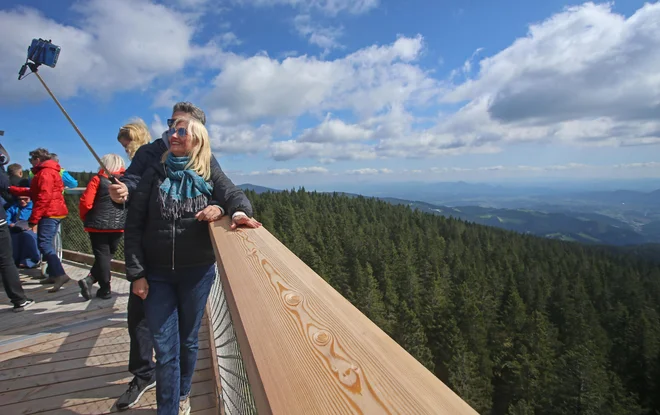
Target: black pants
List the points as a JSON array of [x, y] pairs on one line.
[[104, 246], [140, 360], [8, 271]]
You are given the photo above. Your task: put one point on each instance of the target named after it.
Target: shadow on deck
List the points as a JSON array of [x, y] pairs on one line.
[[65, 355]]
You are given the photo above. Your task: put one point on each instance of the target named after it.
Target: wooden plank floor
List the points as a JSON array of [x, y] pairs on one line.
[[65, 355]]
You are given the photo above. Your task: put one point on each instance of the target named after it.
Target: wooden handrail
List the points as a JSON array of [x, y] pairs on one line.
[[306, 349]]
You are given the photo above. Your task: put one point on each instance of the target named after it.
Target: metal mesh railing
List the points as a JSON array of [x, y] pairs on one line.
[[236, 396]]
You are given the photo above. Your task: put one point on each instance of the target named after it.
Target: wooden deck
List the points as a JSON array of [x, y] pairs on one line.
[[65, 355]]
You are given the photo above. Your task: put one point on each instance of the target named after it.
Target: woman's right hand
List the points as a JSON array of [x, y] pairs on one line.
[[141, 288]]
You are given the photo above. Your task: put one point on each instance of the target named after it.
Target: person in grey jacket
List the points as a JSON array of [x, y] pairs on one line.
[[227, 199]]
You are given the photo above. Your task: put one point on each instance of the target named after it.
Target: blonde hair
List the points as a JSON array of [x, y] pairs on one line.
[[113, 162], [137, 133], [200, 153]]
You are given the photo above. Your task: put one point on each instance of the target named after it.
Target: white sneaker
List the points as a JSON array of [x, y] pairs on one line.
[[184, 406]]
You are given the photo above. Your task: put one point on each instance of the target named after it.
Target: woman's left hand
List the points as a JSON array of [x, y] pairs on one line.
[[209, 214], [244, 220]]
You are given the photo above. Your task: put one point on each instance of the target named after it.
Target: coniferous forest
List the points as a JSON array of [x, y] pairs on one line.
[[514, 324]]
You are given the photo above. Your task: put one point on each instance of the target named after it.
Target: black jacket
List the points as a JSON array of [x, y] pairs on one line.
[[105, 214], [4, 187], [154, 243], [229, 196]]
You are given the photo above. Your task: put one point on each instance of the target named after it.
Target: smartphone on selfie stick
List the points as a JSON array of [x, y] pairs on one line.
[[44, 52]]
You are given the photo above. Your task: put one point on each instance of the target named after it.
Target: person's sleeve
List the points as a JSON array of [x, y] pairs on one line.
[[87, 198], [20, 191], [4, 180], [12, 215], [141, 161], [69, 180], [46, 196], [229, 196], [134, 229]]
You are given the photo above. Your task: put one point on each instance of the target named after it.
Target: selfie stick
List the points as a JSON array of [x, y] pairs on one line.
[[34, 68], [75, 127]]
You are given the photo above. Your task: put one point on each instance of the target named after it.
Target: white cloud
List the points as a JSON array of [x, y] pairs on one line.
[[331, 7], [228, 39], [325, 37], [112, 48], [328, 152], [369, 171], [645, 165], [334, 130], [474, 172], [366, 81], [241, 139], [157, 127], [550, 168], [586, 76], [299, 170]]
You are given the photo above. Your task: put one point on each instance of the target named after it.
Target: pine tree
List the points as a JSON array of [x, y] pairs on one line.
[[410, 335]]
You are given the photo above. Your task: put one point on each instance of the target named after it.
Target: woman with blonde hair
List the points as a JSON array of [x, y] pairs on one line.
[[133, 135], [104, 221], [170, 259]]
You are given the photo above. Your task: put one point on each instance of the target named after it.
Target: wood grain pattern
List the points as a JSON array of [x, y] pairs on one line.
[[307, 350]]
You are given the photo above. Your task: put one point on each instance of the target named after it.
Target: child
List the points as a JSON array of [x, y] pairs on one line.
[[104, 221]]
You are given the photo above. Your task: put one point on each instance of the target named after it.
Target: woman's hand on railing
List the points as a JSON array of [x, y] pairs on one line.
[[244, 220], [141, 288], [210, 213]]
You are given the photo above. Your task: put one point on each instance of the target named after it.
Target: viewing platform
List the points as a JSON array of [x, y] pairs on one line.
[[65, 355], [276, 339]]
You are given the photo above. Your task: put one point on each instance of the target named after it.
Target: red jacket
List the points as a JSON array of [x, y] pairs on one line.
[[46, 191], [89, 195]]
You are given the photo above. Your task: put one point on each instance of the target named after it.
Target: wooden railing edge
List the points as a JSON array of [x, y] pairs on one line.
[[274, 297]]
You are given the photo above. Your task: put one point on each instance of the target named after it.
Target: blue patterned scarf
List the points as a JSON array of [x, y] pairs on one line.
[[182, 190]]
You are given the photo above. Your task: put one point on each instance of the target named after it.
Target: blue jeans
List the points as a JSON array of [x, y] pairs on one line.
[[174, 308], [46, 232], [26, 251]]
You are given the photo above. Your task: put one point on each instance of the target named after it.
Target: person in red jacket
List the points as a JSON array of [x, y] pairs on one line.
[[104, 221], [48, 210]]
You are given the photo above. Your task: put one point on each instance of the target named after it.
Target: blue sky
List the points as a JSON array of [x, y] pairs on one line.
[[325, 91]]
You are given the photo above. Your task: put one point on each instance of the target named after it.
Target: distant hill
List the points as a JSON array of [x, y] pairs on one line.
[[256, 188], [579, 227], [583, 227]]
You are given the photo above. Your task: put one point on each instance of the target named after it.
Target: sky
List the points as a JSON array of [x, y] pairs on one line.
[[299, 92]]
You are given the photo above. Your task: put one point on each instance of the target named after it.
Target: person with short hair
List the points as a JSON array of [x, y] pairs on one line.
[[174, 287], [104, 222], [15, 172], [229, 199], [133, 135], [49, 208], [69, 181]]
